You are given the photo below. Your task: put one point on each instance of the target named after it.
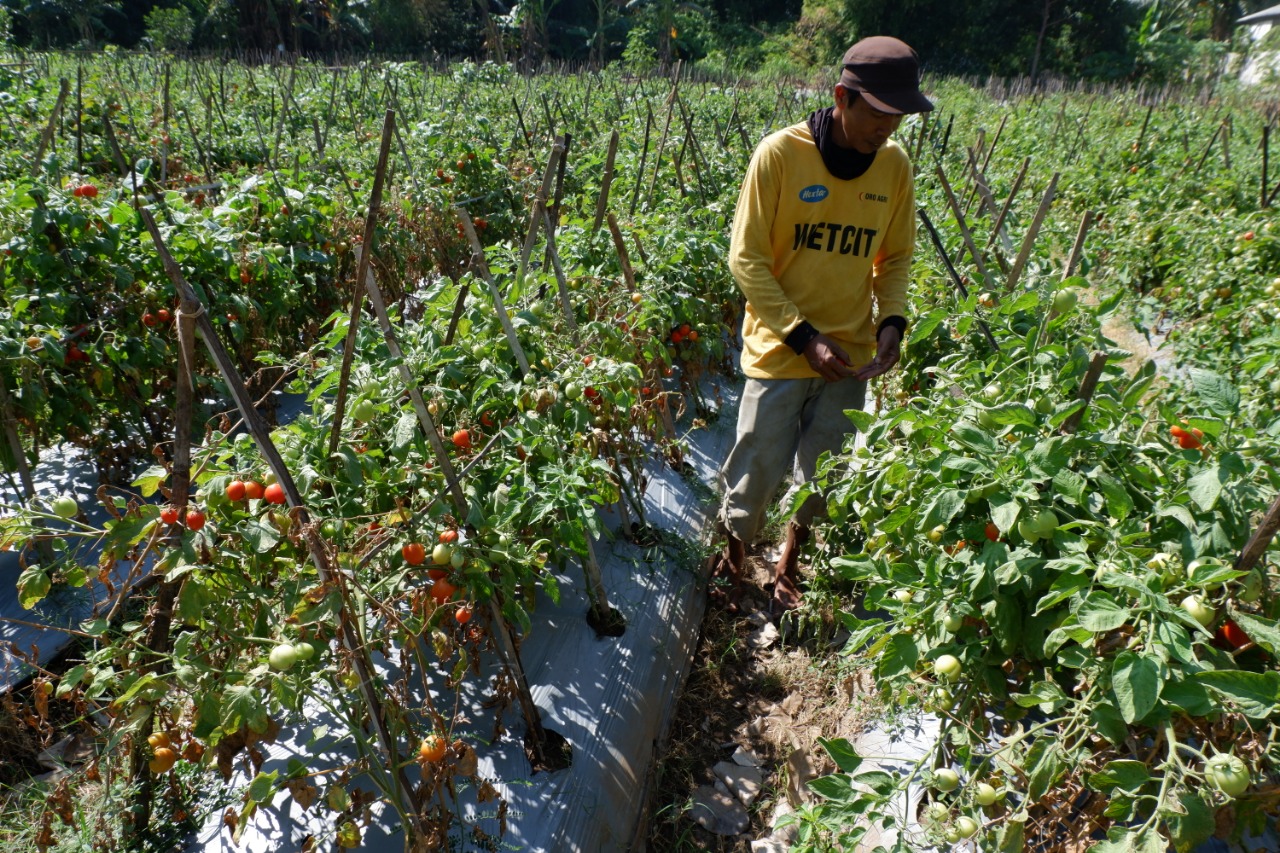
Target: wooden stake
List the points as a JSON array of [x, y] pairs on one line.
[[362, 269], [621, 247], [1087, 387], [1029, 240], [602, 202], [964, 228], [481, 267], [1261, 538]]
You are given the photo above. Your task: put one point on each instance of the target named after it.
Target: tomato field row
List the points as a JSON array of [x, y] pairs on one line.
[[1068, 564]]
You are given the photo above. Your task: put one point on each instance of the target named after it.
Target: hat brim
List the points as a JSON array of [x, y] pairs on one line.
[[899, 103]]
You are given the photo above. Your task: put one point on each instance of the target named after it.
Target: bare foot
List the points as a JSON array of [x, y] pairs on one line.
[[726, 573], [786, 590]]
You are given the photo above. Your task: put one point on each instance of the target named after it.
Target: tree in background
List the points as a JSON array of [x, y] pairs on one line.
[[170, 29], [1007, 37]]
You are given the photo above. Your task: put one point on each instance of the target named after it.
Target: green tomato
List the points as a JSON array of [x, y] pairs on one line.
[[1027, 529], [1201, 612], [947, 668], [935, 535], [305, 650], [1065, 300], [943, 701], [283, 657], [442, 554], [1228, 774], [984, 794], [65, 506], [903, 595], [363, 410], [936, 813], [1046, 522], [991, 392], [457, 559], [945, 780], [952, 621], [966, 827]]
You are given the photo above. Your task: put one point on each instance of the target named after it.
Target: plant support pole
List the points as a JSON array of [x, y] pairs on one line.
[[955, 276]]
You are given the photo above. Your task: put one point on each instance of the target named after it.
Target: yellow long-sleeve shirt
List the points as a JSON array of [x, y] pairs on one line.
[[809, 246]]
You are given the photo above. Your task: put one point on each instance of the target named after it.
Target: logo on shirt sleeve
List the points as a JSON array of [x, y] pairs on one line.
[[816, 192]]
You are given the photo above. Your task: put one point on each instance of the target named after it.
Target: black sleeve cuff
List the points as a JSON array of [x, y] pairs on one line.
[[899, 323], [799, 337]]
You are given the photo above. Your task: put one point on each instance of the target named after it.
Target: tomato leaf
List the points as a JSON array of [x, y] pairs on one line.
[[1218, 392], [242, 705], [1142, 380], [1190, 696], [260, 537], [974, 438], [1119, 504], [944, 507], [1264, 632], [1042, 693], [263, 787], [1256, 694], [1098, 612], [1004, 510], [1191, 824], [148, 482], [1177, 512], [1135, 681], [899, 657], [1125, 774], [842, 753], [1070, 484], [1205, 487], [1043, 765], [1106, 719], [836, 787], [924, 327]]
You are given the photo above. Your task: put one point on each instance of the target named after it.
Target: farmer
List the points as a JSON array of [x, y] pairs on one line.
[[825, 225]]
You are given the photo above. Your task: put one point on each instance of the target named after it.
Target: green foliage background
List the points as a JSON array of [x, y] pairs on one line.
[[1155, 40]]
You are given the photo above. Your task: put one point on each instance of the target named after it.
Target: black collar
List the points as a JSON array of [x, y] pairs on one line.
[[843, 163]]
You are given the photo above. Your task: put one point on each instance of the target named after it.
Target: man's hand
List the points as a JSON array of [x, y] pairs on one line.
[[888, 351], [828, 358]]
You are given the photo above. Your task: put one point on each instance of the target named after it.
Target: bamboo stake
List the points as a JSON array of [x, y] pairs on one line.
[[46, 136], [1077, 249], [539, 207], [666, 129], [964, 228], [481, 266], [1029, 240], [951, 271], [644, 156], [15, 443], [1261, 538], [606, 181], [258, 428], [379, 306], [621, 247], [1087, 387], [362, 269], [601, 612], [561, 283], [997, 228]]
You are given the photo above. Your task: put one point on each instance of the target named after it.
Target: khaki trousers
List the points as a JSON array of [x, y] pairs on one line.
[[783, 424]]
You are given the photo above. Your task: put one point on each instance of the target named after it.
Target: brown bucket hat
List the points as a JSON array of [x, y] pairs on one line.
[[887, 73]]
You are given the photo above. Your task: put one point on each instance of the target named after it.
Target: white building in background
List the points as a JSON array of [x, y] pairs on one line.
[[1262, 65], [1260, 23]]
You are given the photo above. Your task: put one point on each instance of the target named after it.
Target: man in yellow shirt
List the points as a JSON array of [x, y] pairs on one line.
[[821, 248]]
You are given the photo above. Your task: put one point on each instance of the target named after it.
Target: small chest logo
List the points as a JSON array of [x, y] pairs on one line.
[[817, 192], [873, 197]]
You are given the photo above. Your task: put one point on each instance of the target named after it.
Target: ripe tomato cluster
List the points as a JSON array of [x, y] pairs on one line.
[[1188, 439]]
